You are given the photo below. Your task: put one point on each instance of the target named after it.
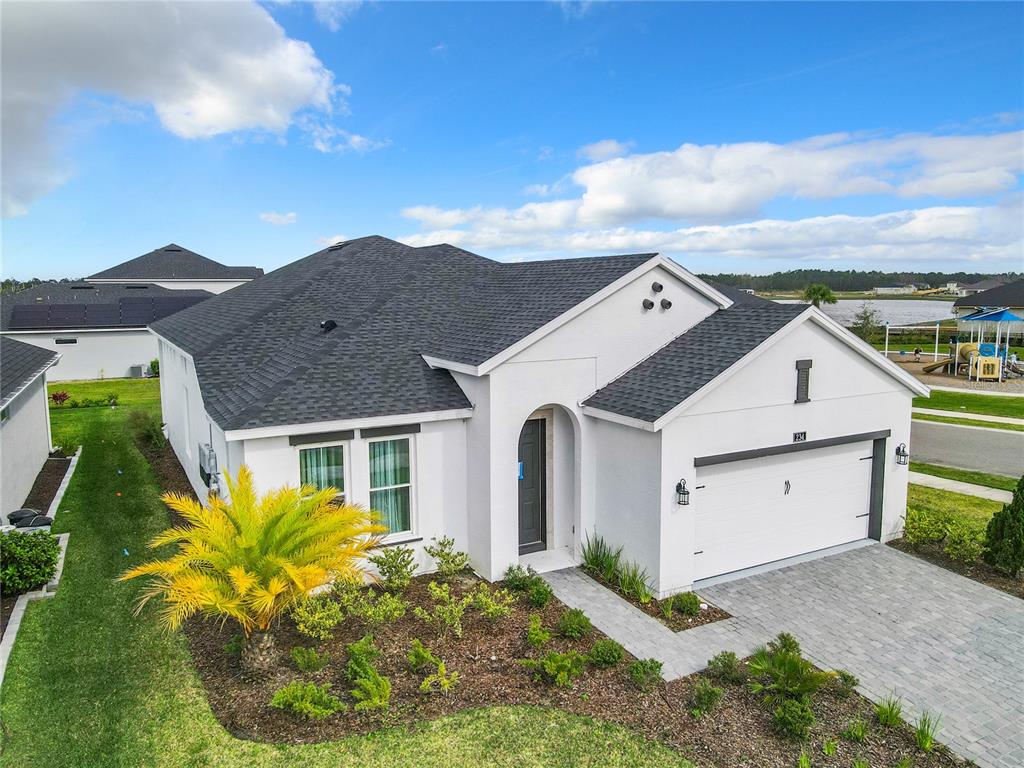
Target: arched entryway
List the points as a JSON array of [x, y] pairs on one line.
[[548, 481]]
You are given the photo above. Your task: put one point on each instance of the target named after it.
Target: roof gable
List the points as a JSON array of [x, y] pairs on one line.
[[20, 365], [172, 262], [1010, 295]]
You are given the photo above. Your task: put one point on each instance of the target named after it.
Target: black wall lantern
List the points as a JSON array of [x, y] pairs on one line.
[[682, 495], [902, 454]]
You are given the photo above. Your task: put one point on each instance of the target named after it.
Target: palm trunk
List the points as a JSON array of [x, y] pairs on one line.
[[259, 654]]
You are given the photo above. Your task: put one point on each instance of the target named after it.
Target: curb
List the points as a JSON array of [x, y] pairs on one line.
[[47, 590], [59, 496]]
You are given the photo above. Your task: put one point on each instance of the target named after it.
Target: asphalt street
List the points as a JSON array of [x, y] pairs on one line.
[[983, 450]]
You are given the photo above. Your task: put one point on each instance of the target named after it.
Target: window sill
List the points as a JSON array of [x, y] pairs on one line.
[[399, 539]]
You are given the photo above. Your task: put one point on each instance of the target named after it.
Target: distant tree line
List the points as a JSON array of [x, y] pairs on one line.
[[848, 280], [10, 285]]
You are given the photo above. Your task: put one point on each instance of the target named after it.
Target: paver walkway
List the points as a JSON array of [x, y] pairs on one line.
[[958, 486], [941, 641]]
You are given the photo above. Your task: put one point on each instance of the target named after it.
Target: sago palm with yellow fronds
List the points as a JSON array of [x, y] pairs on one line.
[[251, 558]]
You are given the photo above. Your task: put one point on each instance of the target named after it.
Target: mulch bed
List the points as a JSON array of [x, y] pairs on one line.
[[6, 609], [47, 482], [977, 571], [677, 622], [737, 732], [169, 474]]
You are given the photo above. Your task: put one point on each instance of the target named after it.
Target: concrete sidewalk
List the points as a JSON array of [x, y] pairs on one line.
[[969, 415], [955, 486]]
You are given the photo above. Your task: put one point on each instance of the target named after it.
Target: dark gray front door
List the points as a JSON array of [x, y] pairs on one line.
[[532, 525]]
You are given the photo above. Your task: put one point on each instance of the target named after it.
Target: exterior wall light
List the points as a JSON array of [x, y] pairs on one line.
[[902, 454], [682, 495]]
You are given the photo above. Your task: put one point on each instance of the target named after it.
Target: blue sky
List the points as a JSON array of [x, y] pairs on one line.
[[733, 137]]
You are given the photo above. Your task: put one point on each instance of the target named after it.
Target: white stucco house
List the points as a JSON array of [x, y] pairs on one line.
[[25, 438], [100, 324], [520, 408]]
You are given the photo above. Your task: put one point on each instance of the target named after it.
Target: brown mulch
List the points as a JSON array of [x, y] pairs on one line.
[[47, 482], [678, 621], [737, 732], [977, 571], [6, 609], [169, 474]]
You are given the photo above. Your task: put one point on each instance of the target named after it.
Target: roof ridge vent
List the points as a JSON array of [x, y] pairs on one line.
[[328, 325]]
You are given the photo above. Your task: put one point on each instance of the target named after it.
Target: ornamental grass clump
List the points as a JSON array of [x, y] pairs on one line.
[[600, 559], [252, 558]]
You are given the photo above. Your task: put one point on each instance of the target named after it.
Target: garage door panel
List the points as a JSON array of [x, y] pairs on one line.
[[760, 510]]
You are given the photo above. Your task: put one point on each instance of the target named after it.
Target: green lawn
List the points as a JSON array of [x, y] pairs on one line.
[[89, 685], [1001, 482], [933, 499], [967, 403], [968, 422]]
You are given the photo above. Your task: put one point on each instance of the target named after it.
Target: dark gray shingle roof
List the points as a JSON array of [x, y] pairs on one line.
[[92, 305], [658, 384], [740, 297], [172, 262], [1010, 295], [20, 363], [262, 359]]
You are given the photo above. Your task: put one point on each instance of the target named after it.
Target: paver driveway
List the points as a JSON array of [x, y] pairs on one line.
[[942, 642]]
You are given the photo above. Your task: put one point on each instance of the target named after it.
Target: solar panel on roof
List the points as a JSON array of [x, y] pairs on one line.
[[102, 315], [67, 315], [30, 317]]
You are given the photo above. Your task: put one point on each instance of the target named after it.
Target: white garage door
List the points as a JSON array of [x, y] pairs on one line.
[[761, 510]]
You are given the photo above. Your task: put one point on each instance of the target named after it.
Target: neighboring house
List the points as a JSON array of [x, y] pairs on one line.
[[177, 268], [25, 440], [1005, 296], [983, 285], [893, 289], [99, 329], [521, 408]]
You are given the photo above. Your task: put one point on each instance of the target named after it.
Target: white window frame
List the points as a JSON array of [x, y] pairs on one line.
[[414, 526], [346, 463]]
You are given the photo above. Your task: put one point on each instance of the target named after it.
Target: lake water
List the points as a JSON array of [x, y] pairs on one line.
[[892, 311]]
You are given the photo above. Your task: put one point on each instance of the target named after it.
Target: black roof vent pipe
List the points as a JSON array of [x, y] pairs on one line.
[[666, 304], [656, 287], [328, 325], [648, 304]]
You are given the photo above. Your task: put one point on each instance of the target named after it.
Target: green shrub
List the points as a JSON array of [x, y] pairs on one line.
[[308, 700], [964, 541], [536, 635], [233, 647], [316, 616], [27, 560], [782, 674], [419, 656], [1004, 536], [667, 606], [830, 747], [889, 711], [539, 593], [687, 603], [443, 681], [922, 525], [447, 613], [927, 727], [726, 667], [645, 673], [381, 609], [147, 428], [372, 691], [154, 367], [804, 761], [447, 559], [558, 669], [633, 583], [793, 719], [605, 653], [600, 559], [396, 566], [856, 731], [361, 655], [573, 624], [492, 604], [308, 659], [519, 579], [705, 697], [846, 682]]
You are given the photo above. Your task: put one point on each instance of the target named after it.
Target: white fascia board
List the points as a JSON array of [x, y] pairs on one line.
[[288, 430], [171, 344], [449, 365], [868, 352], [655, 261], [76, 331], [628, 421], [147, 280], [32, 380]]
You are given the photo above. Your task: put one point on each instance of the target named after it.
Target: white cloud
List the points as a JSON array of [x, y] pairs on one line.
[[328, 138], [575, 9], [605, 149], [989, 234], [205, 69], [279, 219], [333, 13], [440, 49]]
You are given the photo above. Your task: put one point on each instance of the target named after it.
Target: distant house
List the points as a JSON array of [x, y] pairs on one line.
[[101, 324], [983, 285], [25, 440], [1006, 296], [524, 408], [177, 268], [893, 289]]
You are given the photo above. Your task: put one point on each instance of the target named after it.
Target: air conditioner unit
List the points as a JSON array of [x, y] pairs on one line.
[[207, 464], [135, 372]]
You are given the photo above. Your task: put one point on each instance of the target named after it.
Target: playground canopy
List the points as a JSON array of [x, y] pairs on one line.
[[992, 316]]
